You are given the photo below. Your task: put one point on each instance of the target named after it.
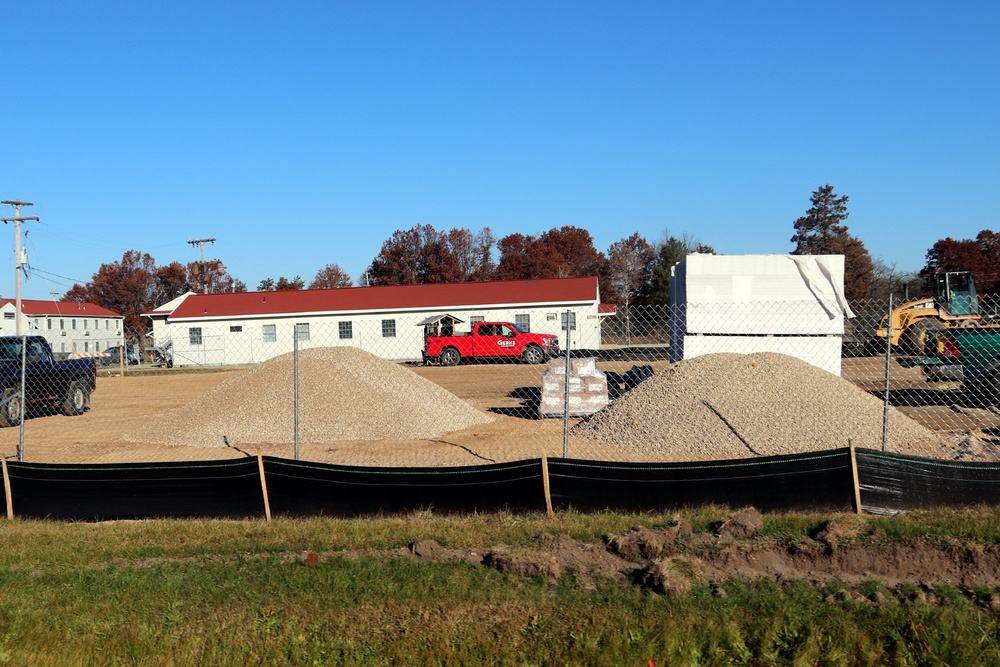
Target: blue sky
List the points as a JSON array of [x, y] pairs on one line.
[[304, 134]]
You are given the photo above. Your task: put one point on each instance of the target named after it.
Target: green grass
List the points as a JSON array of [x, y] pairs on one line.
[[227, 593]]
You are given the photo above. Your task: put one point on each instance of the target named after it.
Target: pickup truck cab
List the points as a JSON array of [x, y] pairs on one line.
[[65, 384], [490, 340]]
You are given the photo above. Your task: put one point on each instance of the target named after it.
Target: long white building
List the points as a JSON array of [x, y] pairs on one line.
[[249, 327], [72, 328]]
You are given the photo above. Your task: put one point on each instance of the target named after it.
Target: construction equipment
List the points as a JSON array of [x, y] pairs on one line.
[[914, 325]]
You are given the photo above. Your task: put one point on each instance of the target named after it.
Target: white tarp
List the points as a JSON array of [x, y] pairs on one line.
[[760, 295], [791, 304]]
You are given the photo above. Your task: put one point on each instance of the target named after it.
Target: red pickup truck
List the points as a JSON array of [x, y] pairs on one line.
[[490, 340]]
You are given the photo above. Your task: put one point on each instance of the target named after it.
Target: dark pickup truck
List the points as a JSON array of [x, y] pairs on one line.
[[66, 384]]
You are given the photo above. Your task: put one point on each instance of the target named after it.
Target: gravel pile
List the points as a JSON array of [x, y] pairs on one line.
[[735, 406], [344, 394]]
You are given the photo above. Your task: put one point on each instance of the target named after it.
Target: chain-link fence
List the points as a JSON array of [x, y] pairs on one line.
[[754, 380]]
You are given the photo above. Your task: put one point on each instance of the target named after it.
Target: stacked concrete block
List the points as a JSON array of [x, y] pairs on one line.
[[588, 388], [790, 304]]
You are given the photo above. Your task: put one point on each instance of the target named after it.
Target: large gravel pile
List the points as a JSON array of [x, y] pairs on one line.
[[344, 394], [735, 406]]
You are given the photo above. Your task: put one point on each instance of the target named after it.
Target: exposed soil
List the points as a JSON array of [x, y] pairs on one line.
[[672, 560]]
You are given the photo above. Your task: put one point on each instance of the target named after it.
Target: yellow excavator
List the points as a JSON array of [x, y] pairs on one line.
[[914, 325]]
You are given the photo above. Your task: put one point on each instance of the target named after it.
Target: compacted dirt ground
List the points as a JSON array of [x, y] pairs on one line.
[[508, 392], [122, 403]]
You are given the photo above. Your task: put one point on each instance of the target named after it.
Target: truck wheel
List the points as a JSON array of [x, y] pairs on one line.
[[10, 407], [450, 357], [532, 355], [76, 399], [922, 337]]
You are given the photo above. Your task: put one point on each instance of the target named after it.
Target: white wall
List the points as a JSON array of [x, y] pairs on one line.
[[92, 334], [221, 346]]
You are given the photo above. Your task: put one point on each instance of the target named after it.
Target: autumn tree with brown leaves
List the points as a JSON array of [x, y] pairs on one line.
[[127, 287], [821, 232], [566, 252], [331, 276], [423, 255], [981, 256], [630, 268]]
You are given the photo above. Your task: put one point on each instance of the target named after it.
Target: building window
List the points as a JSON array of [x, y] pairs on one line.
[[74, 324], [302, 331], [86, 346], [194, 335], [85, 325], [50, 324], [388, 328], [523, 322], [476, 318], [236, 328], [270, 333], [572, 320], [62, 326], [8, 316], [346, 330]]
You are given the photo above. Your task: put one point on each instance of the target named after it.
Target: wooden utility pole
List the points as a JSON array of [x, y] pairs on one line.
[[20, 257], [201, 267]]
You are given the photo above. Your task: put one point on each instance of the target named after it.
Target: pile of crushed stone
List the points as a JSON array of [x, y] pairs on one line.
[[728, 405], [344, 394]]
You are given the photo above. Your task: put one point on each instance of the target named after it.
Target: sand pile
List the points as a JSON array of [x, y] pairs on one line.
[[736, 406], [344, 394]]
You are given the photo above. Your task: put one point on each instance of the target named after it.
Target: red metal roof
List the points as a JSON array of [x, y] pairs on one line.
[[61, 308], [389, 297]]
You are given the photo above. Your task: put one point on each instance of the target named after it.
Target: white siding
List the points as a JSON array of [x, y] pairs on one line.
[[222, 346]]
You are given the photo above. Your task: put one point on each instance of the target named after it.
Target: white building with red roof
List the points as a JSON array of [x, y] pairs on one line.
[[249, 327], [71, 327]]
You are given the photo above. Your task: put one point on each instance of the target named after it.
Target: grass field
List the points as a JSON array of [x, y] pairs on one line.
[[333, 592]]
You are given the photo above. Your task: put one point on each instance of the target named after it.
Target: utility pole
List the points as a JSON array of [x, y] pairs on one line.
[[20, 258], [201, 267]]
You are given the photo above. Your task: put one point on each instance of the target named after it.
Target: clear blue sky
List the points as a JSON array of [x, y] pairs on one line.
[[302, 134]]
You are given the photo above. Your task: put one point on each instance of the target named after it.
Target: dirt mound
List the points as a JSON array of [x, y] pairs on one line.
[[344, 394], [736, 406]]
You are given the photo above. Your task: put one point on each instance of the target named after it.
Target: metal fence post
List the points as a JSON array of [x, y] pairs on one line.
[[295, 388], [888, 360], [24, 363], [566, 393]]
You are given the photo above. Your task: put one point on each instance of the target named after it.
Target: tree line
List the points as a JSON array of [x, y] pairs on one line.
[[632, 272]]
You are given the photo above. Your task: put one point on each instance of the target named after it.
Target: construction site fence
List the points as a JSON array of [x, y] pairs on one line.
[[260, 487], [633, 347]]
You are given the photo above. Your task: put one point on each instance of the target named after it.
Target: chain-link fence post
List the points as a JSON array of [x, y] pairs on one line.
[[295, 388], [21, 407], [566, 391], [888, 364]]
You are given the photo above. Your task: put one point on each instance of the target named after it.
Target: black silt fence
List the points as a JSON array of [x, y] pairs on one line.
[[896, 482], [308, 489], [243, 488], [819, 481], [210, 489]]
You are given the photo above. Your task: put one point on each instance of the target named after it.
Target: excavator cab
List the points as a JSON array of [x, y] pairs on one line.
[[955, 293]]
